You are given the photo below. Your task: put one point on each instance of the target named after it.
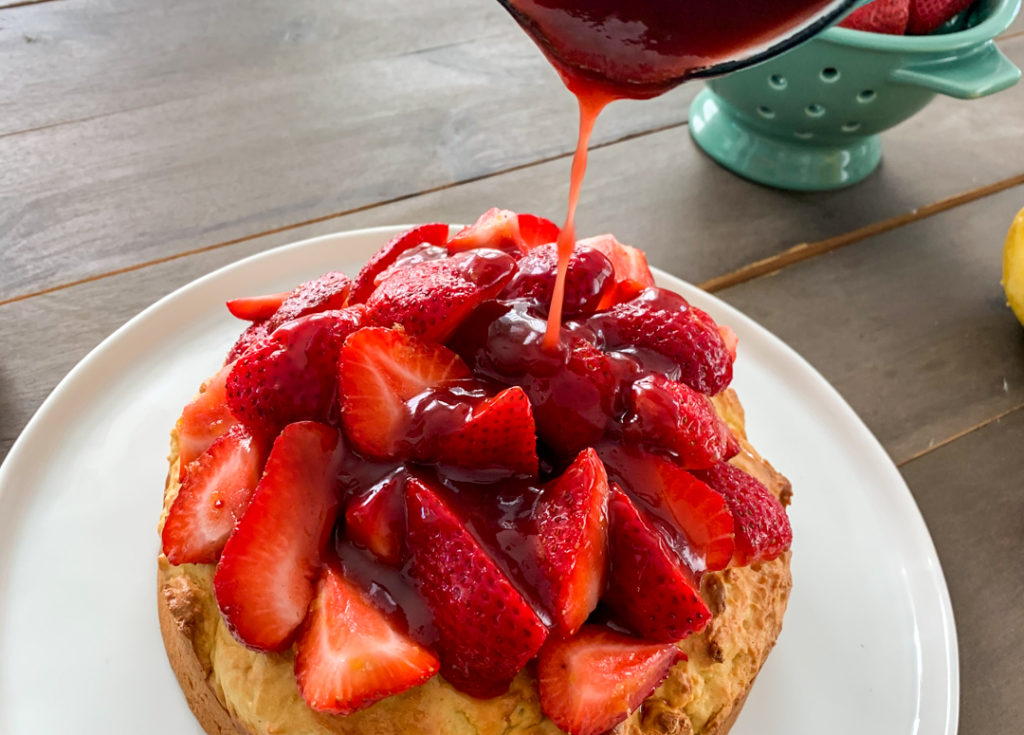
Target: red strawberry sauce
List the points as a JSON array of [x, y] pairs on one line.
[[502, 342], [606, 50]]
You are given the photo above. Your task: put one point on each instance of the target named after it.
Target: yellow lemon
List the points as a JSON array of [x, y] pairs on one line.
[[1013, 266]]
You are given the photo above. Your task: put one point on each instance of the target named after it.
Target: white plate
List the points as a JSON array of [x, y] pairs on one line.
[[869, 644]]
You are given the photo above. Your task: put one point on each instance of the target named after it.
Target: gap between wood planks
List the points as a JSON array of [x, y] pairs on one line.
[[959, 435], [22, 3], [807, 250], [791, 256]]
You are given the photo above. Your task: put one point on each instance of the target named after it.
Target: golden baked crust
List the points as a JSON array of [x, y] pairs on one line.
[[235, 691]]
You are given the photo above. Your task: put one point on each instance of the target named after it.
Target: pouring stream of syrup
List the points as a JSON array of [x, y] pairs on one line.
[[613, 49]]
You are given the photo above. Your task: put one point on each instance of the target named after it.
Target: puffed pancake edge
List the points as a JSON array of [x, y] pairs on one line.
[[235, 691]]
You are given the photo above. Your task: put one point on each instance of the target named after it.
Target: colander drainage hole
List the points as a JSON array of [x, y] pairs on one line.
[[829, 74], [804, 135], [777, 81], [814, 110], [866, 95], [850, 127], [766, 112]]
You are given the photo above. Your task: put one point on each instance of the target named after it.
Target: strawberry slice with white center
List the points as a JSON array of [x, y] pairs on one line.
[[631, 273], [486, 630], [687, 505], [434, 233], [267, 571], [500, 434], [256, 308], [572, 540], [505, 230], [206, 417], [591, 682], [212, 498], [430, 299], [762, 526], [380, 370], [349, 655], [650, 589]]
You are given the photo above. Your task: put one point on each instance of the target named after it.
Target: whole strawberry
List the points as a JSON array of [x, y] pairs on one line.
[[663, 322], [431, 299]]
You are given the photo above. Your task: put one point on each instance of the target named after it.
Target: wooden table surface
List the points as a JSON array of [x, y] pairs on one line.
[[143, 144]]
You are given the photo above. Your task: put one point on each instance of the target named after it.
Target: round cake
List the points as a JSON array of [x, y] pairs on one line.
[[397, 508]]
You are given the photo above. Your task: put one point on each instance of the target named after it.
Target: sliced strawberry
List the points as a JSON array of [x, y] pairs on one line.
[[432, 298], [376, 520], [495, 228], [499, 434], [591, 682], [762, 526], [929, 15], [534, 230], [572, 539], [687, 505], [349, 655], [730, 339], [266, 574], [252, 337], [292, 376], [631, 272], [673, 415], [588, 278], [256, 308], [205, 418], [329, 291], [432, 234], [665, 323], [379, 371], [880, 16], [486, 630], [650, 589], [212, 498], [411, 258], [572, 389]]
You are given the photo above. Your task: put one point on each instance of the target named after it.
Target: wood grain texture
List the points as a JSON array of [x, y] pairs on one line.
[[910, 326], [228, 156], [156, 129], [970, 495]]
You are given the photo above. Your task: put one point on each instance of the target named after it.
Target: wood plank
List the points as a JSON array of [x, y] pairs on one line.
[[910, 326], [970, 495], [252, 116], [103, 193]]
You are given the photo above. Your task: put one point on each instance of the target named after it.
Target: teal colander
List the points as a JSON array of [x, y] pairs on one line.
[[809, 119]]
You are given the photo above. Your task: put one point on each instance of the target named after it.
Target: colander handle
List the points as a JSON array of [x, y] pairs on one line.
[[980, 71]]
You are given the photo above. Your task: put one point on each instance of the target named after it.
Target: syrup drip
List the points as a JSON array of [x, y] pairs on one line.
[[608, 49], [590, 107]]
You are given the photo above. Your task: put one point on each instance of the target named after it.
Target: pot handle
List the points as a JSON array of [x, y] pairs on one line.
[[981, 71]]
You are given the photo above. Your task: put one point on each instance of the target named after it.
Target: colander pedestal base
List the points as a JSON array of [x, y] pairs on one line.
[[802, 164]]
